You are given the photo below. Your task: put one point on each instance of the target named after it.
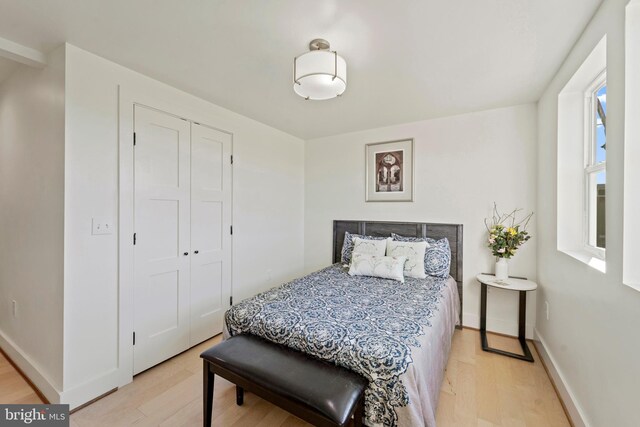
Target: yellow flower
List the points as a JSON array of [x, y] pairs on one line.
[[512, 231]]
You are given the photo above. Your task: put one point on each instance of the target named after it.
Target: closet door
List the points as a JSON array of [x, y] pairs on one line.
[[162, 246], [210, 230]]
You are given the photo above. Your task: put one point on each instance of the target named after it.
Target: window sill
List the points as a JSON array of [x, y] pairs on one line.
[[588, 258]]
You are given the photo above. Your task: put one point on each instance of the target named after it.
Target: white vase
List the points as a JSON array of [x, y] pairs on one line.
[[502, 269]]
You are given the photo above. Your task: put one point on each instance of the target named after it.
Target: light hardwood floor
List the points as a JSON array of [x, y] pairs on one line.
[[480, 389], [14, 389]]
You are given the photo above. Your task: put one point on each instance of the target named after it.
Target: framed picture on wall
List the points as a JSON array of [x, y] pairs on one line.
[[389, 168]]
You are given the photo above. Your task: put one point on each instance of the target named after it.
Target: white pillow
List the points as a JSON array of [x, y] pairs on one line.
[[371, 247], [414, 251], [386, 267]]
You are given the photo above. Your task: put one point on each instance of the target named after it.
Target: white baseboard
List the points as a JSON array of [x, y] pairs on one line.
[[497, 325], [568, 398], [30, 369], [88, 391]]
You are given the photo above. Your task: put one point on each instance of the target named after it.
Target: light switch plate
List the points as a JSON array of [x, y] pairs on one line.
[[101, 226]]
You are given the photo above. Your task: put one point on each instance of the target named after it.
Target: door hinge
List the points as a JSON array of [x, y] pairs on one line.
[[230, 300], [231, 229], [134, 238], [232, 159], [134, 139], [134, 338]]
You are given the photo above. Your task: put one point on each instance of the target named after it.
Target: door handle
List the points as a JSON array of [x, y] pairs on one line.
[[196, 252], [186, 253]]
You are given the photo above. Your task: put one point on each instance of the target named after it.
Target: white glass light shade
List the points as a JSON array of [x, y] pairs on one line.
[[320, 74]]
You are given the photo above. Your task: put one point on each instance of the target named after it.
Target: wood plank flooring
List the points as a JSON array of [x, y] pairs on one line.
[[487, 389], [480, 389], [14, 389]]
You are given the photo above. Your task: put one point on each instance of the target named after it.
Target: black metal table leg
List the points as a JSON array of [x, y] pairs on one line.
[[239, 395], [521, 326], [207, 396], [483, 316], [522, 311]]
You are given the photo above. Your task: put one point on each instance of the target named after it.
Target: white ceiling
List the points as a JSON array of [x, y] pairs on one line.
[[407, 60]]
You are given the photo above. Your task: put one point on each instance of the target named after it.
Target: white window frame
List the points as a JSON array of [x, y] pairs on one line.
[[574, 155], [591, 168]]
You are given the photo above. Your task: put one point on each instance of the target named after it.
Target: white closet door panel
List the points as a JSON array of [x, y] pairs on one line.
[[162, 226], [206, 301], [158, 165], [208, 154], [207, 218], [162, 300], [210, 230]]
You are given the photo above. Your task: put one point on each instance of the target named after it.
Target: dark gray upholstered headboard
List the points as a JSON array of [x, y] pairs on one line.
[[453, 232]]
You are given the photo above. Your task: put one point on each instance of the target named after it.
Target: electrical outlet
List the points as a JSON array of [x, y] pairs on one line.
[[546, 306], [14, 306]]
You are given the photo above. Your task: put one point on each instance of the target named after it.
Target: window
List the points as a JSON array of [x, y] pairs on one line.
[[595, 171], [582, 159]]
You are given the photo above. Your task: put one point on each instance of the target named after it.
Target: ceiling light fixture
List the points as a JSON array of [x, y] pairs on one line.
[[320, 73]]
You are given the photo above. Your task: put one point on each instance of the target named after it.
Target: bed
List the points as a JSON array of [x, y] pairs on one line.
[[397, 336]]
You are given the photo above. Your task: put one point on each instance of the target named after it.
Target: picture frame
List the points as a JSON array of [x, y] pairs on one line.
[[389, 171]]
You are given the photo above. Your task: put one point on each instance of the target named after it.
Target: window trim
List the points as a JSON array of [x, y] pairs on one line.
[[590, 166], [571, 163]]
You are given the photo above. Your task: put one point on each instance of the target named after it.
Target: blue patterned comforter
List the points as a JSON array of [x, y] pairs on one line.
[[378, 328]]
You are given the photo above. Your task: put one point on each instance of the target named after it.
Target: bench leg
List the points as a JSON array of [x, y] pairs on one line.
[[358, 415], [207, 394], [239, 395]]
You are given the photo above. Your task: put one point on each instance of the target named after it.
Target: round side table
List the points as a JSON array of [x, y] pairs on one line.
[[518, 284]]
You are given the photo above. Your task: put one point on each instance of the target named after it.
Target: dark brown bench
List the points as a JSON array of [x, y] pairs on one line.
[[318, 392]]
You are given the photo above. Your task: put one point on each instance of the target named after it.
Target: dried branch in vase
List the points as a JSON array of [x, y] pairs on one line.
[[506, 232]]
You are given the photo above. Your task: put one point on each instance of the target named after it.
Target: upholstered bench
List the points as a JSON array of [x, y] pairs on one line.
[[318, 392]]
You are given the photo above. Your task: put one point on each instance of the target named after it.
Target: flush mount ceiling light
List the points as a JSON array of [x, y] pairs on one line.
[[320, 73]]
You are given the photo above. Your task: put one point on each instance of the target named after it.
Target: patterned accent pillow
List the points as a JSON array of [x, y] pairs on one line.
[[369, 246], [347, 245], [385, 267], [415, 253], [437, 258]]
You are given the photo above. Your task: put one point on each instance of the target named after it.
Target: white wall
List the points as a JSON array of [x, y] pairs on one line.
[[267, 210], [31, 220], [631, 266], [592, 333], [462, 165]]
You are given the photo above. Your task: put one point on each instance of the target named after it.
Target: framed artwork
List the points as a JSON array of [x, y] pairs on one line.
[[389, 168]]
